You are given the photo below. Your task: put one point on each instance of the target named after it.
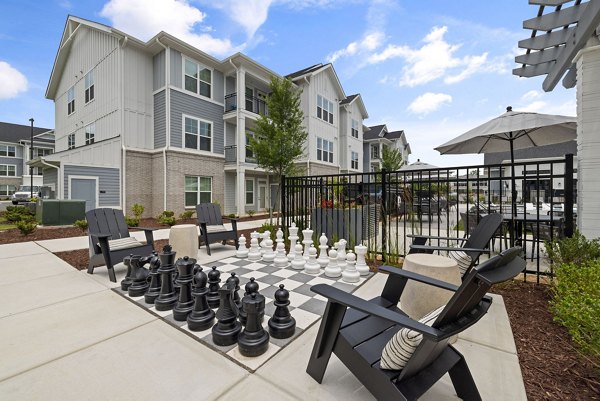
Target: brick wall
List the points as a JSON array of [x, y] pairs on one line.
[[139, 182], [157, 183]]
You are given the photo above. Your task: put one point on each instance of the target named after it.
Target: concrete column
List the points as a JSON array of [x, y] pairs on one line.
[[241, 191], [588, 139]]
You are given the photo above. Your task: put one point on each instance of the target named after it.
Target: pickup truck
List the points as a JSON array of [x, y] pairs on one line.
[[23, 194]]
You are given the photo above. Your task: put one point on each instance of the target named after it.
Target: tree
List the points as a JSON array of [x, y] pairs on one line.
[[279, 137], [391, 159]]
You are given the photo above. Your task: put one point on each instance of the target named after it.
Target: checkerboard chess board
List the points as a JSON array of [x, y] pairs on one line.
[[305, 306]]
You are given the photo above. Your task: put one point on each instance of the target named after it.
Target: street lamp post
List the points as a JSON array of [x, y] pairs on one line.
[[30, 159]]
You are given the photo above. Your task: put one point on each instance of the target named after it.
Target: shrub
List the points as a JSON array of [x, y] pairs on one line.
[[271, 227], [232, 215], [576, 302], [138, 210], [26, 226], [188, 214], [132, 221], [167, 217], [14, 214], [81, 224], [251, 212], [576, 250]]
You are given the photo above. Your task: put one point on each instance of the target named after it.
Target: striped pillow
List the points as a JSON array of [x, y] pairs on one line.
[[403, 344], [462, 259]]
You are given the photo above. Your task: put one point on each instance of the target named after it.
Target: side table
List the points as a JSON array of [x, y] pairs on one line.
[[184, 240]]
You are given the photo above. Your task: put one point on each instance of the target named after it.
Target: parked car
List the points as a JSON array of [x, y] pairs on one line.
[[23, 194]]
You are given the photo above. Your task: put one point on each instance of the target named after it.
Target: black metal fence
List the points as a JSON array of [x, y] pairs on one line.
[[381, 209]]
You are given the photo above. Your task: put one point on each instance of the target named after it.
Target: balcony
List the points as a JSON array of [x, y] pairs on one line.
[[231, 155], [252, 104]]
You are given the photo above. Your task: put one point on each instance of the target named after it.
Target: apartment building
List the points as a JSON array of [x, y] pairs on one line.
[[15, 150], [166, 125], [375, 139]]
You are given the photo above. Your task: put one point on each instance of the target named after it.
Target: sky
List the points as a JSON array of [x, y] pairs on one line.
[[433, 68]]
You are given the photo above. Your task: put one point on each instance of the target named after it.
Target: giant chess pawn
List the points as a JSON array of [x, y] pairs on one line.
[[361, 264], [202, 317], [268, 255], [341, 251], [282, 324], [236, 284], [323, 259], [264, 244], [126, 282], [350, 275], [293, 237], [281, 259], [299, 262], [333, 269], [227, 329], [154, 288], [214, 278], [185, 303], [278, 237], [167, 298], [250, 287], [253, 340], [139, 277], [242, 251], [312, 267], [307, 241], [254, 252]]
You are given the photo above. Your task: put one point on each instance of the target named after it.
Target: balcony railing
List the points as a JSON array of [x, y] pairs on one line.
[[252, 104], [231, 155]]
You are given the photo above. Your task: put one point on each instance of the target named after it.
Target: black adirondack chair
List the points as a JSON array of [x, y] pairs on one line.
[[211, 225], [356, 331], [473, 246], [110, 241]]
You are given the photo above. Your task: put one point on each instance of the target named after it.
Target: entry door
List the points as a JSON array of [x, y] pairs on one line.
[[84, 188], [262, 196]]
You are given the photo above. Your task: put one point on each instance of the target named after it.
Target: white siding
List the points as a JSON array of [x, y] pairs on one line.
[[138, 105], [230, 193], [105, 154]]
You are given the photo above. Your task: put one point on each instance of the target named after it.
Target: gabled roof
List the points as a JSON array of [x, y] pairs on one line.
[[395, 134], [375, 132], [304, 71], [317, 69], [349, 99], [361, 105], [14, 133]]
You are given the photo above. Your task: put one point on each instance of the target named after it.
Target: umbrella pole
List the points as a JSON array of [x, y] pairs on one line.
[[513, 193]]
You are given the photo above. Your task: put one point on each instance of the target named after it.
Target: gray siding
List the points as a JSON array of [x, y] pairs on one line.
[[366, 157], [14, 161], [108, 182], [230, 134], [160, 123], [20, 150], [175, 68], [230, 193], [217, 89], [195, 107], [158, 76], [230, 85], [177, 77], [51, 178]]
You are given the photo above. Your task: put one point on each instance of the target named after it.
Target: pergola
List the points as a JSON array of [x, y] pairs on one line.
[[564, 42]]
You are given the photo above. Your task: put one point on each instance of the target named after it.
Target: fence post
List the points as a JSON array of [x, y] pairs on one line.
[[383, 214], [569, 195], [283, 204]]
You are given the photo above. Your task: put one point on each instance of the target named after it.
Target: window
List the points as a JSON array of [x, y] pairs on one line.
[[38, 171], [41, 152], [354, 160], [90, 133], [71, 100], [324, 150], [8, 170], [354, 131], [197, 190], [198, 134], [374, 151], [249, 192], [324, 109], [7, 190], [8, 150], [71, 141], [89, 86], [197, 78], [249, 153]]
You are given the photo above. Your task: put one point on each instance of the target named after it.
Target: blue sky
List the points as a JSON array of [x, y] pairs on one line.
[[433, 68]]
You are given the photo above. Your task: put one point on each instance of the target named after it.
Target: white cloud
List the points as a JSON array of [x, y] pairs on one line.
[[369, 42], [12, 81], [176, 17], [250, 14], [302, 4], [531, 95], [428, 102]]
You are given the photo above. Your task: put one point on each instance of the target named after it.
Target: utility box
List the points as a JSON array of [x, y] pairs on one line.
[[58, 212]]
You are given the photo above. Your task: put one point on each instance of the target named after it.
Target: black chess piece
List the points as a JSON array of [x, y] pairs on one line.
[[236, 295], [154, 288], [139, 276], [202, 317], [253, 340], [126, 282], [185, 303], [227, 329], [282, 324], [167, 298], [214, 278], [250, 287]]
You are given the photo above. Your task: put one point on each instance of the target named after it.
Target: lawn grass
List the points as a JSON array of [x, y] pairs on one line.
[[5, 225]]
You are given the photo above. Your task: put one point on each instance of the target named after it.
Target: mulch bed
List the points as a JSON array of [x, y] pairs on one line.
[[552, 368]]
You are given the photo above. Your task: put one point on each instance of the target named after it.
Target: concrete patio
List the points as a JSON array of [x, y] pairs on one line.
[[65, 335]]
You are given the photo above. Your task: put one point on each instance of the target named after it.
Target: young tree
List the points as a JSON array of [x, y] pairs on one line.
[[279, 137], [391, 159]]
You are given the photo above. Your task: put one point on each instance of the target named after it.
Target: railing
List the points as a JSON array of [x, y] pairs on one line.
[[231, 155], [252, 104], [382, 209]]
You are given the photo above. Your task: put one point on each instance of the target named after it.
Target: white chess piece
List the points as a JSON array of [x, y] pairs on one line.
[[307, 241], [323, 259], [361, 264], [263, 244], [280, 259], [311, 266], [350, 275], [242, 251], [299, 261], [341, 251], [293, 237], [269, 255], [254, 252], [278, 236], [332, 269]]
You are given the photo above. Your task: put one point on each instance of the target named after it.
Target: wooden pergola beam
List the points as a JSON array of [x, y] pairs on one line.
[[549, 3], [547, 40], [543, 56], [534, 70], [556, 19]]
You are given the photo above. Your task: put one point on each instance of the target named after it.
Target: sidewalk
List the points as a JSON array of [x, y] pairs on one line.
[[64, 335]]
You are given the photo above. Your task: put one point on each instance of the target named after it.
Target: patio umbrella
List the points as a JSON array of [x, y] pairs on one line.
[[513, 130]]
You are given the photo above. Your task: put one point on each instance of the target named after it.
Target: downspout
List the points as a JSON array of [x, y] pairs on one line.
[[123, 150], [167, 118], [308, 130], [58, 177]]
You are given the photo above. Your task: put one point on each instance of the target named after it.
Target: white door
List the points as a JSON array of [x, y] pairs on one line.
[[262, 195], [84, 188]]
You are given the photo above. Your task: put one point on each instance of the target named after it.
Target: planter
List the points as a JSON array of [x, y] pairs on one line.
[[354, 225]]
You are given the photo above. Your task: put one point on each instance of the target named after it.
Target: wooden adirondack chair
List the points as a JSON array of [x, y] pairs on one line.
[[110, 241], [356, 331], [211, 225]]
